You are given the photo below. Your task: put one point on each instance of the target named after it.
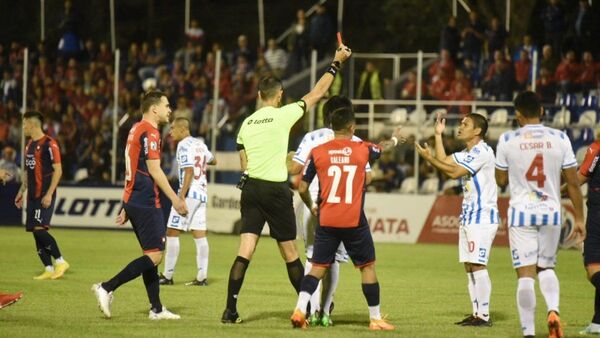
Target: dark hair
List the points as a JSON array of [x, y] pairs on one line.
[[268, 87], [150, 98], [34, 114], [182, 120], [528, 104], [335, 103], [479, 122], [341, 118]]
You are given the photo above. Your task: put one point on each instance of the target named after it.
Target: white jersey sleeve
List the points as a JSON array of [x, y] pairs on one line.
[[471, 160], [501, 152], [569, 160], [185, 155]]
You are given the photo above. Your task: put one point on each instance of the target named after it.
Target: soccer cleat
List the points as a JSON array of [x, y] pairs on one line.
[[467, 319], [314, 320], [196, 282], [44, 275], [326, 320], [162, 280], [60, 270], [230, 317], [380, 324], [164, 314], [554, 327], [299, 319], [9, 299], [589, 330], [104, 299], [476, 321]]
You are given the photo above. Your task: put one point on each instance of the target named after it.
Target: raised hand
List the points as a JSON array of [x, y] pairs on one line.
[[440, 124], [423, 150]]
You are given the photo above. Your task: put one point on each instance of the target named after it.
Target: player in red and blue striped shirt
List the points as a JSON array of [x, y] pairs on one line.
[[41, 176]]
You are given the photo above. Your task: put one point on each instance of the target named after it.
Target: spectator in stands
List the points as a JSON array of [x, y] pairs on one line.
[[496, 37], [440, 85], [567, 73], [298, 44], [276, 58], [7, 163], [444, 62], [8, 85], [553, 18], [589, 76], [369, 87], [472, 38], [499, 79], [409, 89], [586, 27], [390, 175], [104, 54], [182, 109], [244, 50], [460, 93], [450, 39], [460, 78], [194, 33], [549, 61], [186, 54], [321, 31], [545, 87], [471, 71], [522, 71], [527, 46]]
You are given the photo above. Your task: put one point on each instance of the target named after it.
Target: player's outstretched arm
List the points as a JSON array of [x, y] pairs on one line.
[[341, 54], [452, 170], [394, 140], [574, 192], [439, 127], [163, 183]]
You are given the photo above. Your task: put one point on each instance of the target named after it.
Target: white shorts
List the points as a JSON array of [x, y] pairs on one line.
[[341, 255], [535, 245], [475, 242], [195, 220]]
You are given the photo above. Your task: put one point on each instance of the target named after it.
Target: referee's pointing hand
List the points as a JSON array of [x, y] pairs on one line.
[[342, 53]]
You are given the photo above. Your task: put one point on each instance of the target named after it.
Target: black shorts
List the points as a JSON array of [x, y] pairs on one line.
[[149, 227], [358, 243], [591, 244], [271, 202], [38, 216]]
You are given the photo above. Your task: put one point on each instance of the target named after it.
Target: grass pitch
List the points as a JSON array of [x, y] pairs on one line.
[[423, 291]]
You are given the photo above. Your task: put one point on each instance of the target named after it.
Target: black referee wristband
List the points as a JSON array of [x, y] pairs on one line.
[[333, 68]]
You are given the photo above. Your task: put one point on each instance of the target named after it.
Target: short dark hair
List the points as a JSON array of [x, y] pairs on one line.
[[333, 104], [341, 118], [34, 114], [182, 120], [151, 98], [479, 121], [528, 104], [268, 87]]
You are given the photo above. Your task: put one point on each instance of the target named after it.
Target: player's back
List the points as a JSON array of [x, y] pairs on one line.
[[143, 143], [340, 167], [193, 153], [534, 156]]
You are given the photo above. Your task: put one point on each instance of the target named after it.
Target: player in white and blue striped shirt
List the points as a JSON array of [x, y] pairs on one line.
[[479, 217], [532, 158]]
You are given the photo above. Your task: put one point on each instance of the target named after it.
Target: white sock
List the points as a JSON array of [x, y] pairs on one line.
[[550, 288], [483, 289], [307, 267], [303, 299], [201, 257], [472, 293], [526, 305], [334, 277], [59, 260], [49, 268], [374, 312], [171, 254]]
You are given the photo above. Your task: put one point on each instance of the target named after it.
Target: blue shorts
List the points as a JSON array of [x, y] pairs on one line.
[[149, 227], [358, 243], [38, 216], [591, 244]]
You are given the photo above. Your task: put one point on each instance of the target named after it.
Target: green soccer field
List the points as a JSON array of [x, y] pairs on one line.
[[423, 292]]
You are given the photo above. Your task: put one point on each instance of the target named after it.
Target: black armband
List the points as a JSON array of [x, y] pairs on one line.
[[333, 68]]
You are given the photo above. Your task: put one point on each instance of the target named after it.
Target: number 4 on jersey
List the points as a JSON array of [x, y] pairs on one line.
[[536, 171]]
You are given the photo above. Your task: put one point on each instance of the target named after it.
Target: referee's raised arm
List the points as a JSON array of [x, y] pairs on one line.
[[341, 54]]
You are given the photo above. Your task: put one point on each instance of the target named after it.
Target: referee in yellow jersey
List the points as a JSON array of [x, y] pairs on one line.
[[266, 197]]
